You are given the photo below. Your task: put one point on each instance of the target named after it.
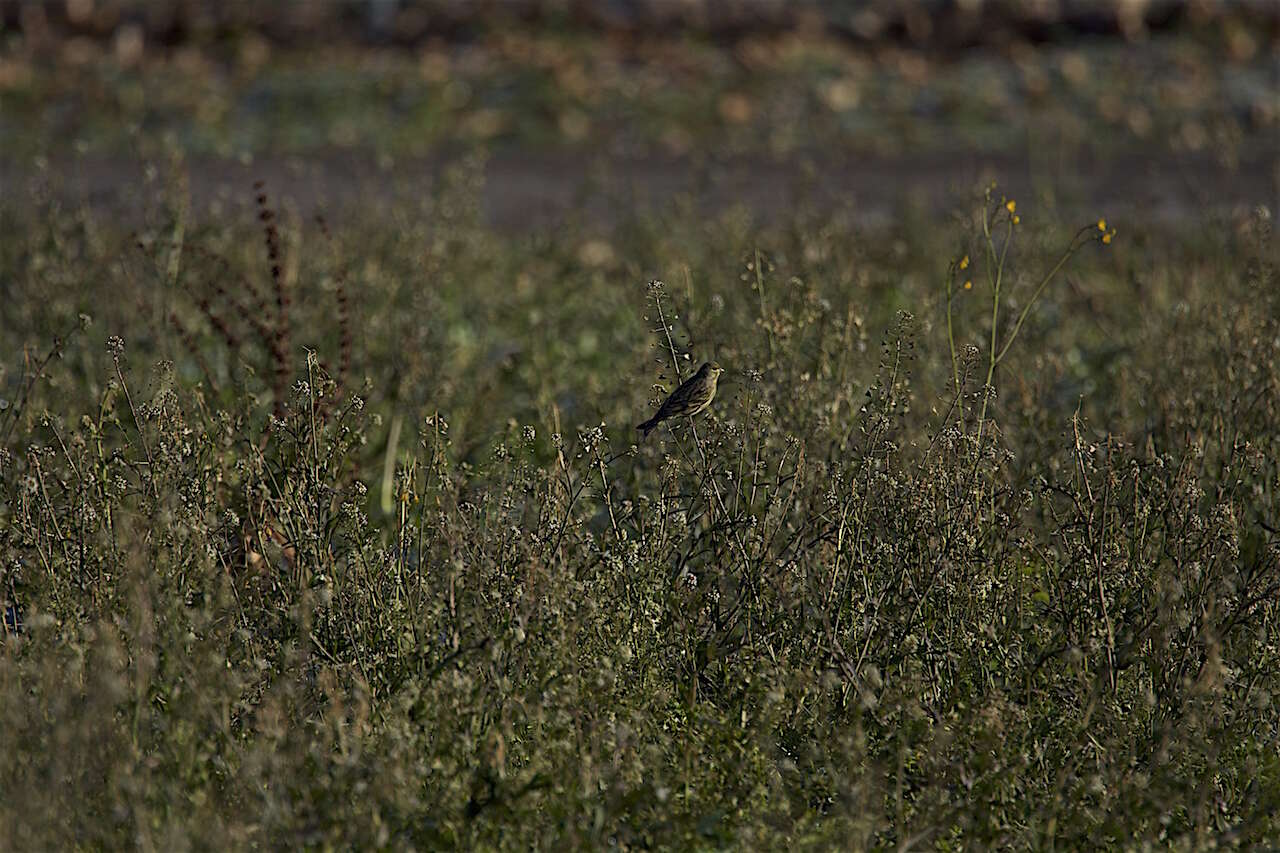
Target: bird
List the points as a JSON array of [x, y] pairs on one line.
[[693, 395]]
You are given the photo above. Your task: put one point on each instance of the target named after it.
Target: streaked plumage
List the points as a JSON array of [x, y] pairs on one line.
[[693, 395]]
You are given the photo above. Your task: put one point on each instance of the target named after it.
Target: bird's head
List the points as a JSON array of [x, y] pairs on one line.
[[712, 369]]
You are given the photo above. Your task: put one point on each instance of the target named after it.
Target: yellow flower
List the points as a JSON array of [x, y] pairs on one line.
[[1102, 225], [1106, 238], [968, 285], [1011, 205], [964, 262], [1016, 219]]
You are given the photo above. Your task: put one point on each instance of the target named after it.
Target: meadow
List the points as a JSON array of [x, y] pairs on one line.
[[336, 532]]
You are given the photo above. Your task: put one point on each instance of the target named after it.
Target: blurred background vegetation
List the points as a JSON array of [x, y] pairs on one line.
[[1154, 105]]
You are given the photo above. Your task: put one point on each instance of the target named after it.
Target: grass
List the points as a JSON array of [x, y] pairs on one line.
[[363, 551], [1185, 93]]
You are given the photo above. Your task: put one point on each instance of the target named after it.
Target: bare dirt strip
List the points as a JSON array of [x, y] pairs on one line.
[[532, 191]]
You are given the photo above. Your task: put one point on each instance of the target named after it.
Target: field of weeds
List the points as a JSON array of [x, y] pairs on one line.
[[331, 528]]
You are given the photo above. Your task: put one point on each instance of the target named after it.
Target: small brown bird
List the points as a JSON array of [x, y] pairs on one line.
[[693, 395]]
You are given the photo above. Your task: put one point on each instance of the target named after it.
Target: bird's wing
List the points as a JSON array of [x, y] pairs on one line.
[[673, 402]]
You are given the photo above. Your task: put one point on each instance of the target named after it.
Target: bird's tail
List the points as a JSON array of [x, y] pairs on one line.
[[647, 427]]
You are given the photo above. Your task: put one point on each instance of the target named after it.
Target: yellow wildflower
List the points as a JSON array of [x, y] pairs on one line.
[[1106, 238], [1016, 219], [1102, 225], [1011, 205], [964, 262], [968, 285]]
